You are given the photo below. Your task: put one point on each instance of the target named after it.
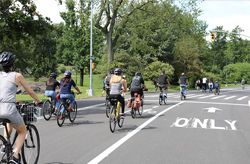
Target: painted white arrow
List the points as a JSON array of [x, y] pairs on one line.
[[212, 109]]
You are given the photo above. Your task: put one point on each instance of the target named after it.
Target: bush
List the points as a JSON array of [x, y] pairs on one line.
[[192, 81], [62, 69]]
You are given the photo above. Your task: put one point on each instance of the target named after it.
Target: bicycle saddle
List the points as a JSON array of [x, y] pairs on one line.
[[113, 100], [4, 120]]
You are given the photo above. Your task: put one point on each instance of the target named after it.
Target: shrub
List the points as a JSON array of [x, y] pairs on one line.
[[192, 81], [62, 69]]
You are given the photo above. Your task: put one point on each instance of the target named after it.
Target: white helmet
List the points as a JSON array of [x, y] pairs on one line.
[[124, 76]]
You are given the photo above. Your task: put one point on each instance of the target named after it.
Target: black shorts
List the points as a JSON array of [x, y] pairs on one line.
[[103, 88], [138, 91]]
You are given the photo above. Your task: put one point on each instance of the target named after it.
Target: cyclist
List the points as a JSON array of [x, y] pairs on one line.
[[204, 81], [103, 86], [66, 93], [9, 81], [162, 83], [242, 82], [210, 84], [116, 83], [135, 85], [235, 83], [123, 90], [198, 84], [51, 85], [217, 85], [107, 81], [183, 81]]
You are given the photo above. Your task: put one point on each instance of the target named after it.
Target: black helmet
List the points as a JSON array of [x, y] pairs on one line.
[[111, 71], [138, 74], [118, 71], [67, 74], [53, 75], [7, 59]]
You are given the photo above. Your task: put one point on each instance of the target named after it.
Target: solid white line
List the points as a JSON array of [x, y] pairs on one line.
[[104, 154], [242, 98], [229, 97], [218, 97]]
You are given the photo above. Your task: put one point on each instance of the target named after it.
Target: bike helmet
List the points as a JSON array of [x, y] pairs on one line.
[[118, 71], [7, 59], [111, 71], [124, 76], [138, 74], [67, 74], [53, 75], [216, 81]]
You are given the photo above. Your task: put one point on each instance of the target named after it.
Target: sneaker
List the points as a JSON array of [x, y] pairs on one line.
[[54, 113], [165, 95], [15, 160], [61, 118], [69, 108], [123, 116]]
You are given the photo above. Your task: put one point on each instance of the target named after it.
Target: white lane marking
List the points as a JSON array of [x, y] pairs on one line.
[[194, 96], [155, 106], [105, 153], [197, 102], [218, 97], [241, 98], [212, 109], [229, 97], [205, 96]]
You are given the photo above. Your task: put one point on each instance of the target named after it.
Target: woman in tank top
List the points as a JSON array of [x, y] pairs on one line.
[[9, 81], [116, 83]]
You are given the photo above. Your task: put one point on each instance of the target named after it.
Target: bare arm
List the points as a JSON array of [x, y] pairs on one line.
[[19, 79], [168, 82], [124, 83], [77, 89], [144, 85]]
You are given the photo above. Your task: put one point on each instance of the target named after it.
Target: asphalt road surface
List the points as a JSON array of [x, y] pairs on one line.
[[203, 129]]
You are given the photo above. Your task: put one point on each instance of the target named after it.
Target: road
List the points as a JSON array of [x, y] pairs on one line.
[[205, 128]]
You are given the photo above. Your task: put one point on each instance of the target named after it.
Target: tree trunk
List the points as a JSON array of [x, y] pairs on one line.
[[81, 76], [110, 47]]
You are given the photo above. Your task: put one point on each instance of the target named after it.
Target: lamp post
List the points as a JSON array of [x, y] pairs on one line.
[[91, 91], [226, 66]]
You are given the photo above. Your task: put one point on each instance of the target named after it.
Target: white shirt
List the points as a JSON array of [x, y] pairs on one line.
[[204, 80]]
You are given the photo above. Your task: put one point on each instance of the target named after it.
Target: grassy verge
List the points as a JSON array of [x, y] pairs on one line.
[[96, 86]]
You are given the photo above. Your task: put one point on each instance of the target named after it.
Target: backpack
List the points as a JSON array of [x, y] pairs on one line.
[[108, 79], [129, 103], [137, 103], [216, 85]]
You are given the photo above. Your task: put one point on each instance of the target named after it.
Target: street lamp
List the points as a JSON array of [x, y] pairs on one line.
[[226, 66], [91, 91]]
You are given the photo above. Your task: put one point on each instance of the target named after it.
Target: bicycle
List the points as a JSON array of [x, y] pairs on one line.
[[217, 91], [66, 112], [162, 98], [107, 103], [210, 88], [243, 86], [133, 109], [31, 148], [182, 89], [48, 108], [114, 115], [203, 89]]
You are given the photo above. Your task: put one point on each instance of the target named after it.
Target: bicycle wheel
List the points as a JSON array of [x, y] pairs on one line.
[[119, 119], [140, 110], [133, 111], [112, 119], [3, 154], [165, 100], [107, 108], [59, 114], [160, 100], [47, 111], [31, 145], [72, 115]]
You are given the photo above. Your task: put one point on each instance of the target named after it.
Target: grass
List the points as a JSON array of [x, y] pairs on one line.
[[96, 86]]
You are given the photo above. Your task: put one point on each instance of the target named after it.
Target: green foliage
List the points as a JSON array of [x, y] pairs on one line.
[[153, 70], [192, 81], [237, 72], [62, 69]]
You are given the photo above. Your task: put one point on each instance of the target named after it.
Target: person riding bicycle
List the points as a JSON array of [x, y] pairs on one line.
[[210, 84], [183, 82], [116, 83], [9, 80], [235, 83], [204, 81], [107, 81], [51, 85], [243, 82], [136, 87], [217, 86], [162, 83], [66, 93]]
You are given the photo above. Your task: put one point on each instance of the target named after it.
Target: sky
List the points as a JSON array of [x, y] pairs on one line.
[[226, 13]]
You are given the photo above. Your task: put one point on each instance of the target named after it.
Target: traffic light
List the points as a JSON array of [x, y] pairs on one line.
[[93, 65], [213, 36]]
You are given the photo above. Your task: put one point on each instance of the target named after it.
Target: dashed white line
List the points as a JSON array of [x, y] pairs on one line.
[[218, 97], [242, 98], [229, 97]]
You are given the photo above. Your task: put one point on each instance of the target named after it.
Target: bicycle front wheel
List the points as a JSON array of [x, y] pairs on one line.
[[112, 119], [72, 115], [3, 154], [107, 108], [60, 115], [31, 145], [165, 100], [47, 110]]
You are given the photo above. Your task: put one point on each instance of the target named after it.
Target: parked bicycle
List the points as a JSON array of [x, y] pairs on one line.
[[115, 115], [31, 147], [48, 108], [66, 112]]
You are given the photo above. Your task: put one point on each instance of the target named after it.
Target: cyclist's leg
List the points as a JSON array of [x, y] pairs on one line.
[[72, 100], [166, 89], [185, 90], [121, 100], [63, 97], [21, 130], [56, 100]]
